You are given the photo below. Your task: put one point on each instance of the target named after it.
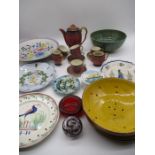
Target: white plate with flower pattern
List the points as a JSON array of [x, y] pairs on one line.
[[35, 76], [66, 84], [36, 49], [38, 116], [119, 69]]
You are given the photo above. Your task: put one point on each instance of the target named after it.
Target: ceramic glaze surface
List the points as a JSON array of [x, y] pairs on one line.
[[66, 84], [70, 105], [119, 69], [90, 76], [73, 35], [108, 39], [35, 76], [71, 70], [110, 104], [38, 116], [76, 62], [36, 49]]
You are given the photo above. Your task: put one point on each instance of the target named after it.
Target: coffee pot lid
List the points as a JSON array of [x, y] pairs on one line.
[[73, 28]]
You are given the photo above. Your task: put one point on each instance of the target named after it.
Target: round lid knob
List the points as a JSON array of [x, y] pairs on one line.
[[73, 28]]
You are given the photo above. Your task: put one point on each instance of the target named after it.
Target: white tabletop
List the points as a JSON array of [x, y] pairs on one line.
[[89, 142]]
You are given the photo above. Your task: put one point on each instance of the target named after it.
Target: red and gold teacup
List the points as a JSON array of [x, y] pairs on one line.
[[97, 57], [77, 65]]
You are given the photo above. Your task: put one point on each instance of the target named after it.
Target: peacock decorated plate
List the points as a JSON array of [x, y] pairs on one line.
[[119, 69], [38, 116], [36, 49], [35, 76], [66, 85]]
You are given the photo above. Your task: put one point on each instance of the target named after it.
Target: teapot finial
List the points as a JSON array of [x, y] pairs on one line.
[[73, 27]]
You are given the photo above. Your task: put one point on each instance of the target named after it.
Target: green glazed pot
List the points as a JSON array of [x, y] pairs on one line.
[[108, 39]]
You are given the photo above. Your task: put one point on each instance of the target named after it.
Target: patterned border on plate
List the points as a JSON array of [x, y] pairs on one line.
[[36, 49], [130, 76], [38, 66], [41, 134], [57, 90]]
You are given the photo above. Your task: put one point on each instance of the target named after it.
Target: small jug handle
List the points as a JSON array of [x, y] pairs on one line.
[[86, 31]]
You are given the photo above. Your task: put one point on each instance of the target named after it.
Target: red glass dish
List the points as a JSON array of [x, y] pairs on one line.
[[71, 105]]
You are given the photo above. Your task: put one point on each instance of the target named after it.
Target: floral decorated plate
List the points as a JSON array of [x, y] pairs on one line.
[[119, 69], [36, 49], [90, 76], [38, 116], [35, 76], [66, 84]]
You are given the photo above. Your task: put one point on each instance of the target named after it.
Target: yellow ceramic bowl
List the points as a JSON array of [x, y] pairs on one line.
[[110, 105]]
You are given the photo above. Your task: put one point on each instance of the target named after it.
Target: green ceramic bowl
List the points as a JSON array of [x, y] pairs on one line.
[[108, 39]]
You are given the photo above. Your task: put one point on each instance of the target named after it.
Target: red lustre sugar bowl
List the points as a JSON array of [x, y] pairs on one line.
[[57, 57], [71, 105]]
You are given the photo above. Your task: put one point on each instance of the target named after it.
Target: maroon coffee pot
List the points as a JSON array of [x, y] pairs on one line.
[[73, 35]]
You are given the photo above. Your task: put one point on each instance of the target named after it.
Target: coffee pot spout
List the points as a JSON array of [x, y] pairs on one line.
[[63, 32]]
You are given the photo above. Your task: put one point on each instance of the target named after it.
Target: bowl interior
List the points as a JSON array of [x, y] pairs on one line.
[[109, 103], [108, 35]]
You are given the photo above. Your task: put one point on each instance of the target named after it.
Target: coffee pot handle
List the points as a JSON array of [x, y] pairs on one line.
[[86, 31]]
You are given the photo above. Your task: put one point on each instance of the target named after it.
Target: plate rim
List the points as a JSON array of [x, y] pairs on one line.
[[113, 30], [118, 60], [50, 65], [82, 76], [103, 65], [59, 92], [50, 39], [51, 130]]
